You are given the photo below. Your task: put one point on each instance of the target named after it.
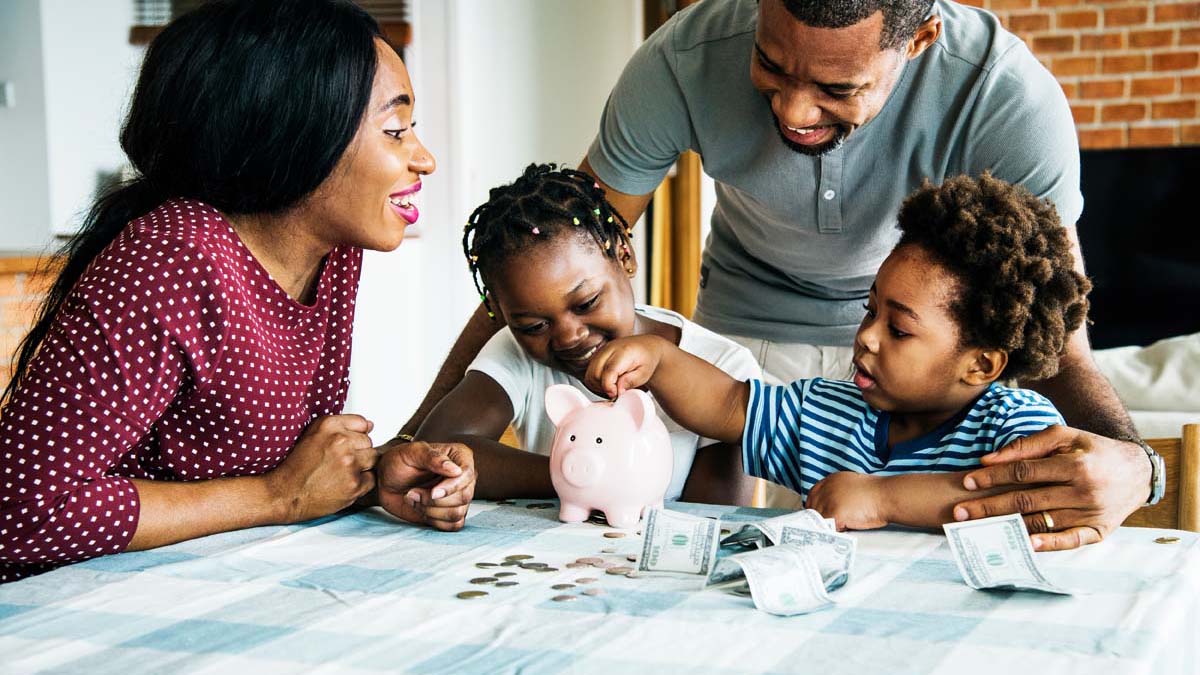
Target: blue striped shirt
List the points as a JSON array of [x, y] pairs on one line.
[[798, 433]]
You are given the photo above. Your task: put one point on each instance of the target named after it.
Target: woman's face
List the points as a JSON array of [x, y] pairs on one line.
[[564, 301], [371, 195]]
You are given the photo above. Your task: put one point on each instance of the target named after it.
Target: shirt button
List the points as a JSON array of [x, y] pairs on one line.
[[829, 194]]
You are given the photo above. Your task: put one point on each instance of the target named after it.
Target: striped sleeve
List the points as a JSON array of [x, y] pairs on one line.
[[771, 438], [1029, 413]]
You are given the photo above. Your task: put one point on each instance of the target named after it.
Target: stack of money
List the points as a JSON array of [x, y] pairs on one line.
[[996, 553], [788, 564]]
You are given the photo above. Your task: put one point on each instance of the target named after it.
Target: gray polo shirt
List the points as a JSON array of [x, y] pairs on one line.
[[796, 240]]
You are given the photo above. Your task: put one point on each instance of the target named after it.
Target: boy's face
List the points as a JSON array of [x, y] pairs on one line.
[[907, 355], [564, 300]]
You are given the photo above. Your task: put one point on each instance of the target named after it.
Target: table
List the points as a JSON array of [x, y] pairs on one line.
[[363, 593]]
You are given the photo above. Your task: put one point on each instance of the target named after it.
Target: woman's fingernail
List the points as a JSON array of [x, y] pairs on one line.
[[969, 483], [960, 513]]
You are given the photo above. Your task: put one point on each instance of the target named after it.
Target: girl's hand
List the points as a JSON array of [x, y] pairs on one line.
[[624, 364], [855, 501], [328, 468], [428, 483]]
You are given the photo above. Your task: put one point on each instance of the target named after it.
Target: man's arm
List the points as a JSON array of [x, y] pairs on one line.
[[479, 329], [631, 207]]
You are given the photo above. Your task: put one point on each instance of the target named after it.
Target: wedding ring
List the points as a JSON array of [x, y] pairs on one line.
[[1049, 521]]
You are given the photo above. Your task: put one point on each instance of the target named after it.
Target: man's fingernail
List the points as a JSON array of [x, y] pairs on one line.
[[969, 483], [413, 497], [438, 493], [1037, 543], [960, 513]]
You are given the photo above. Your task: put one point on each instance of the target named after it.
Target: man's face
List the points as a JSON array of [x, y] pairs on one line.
[[822, 83]]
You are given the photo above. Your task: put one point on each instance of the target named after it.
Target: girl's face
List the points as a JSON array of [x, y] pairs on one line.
[[907, 356], [564, 300], [371, 195]]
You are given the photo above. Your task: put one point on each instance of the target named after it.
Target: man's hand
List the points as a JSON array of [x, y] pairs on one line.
[[1088, 485], [428, 483], [855, 501]]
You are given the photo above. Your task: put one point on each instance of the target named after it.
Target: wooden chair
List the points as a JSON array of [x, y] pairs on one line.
[[1180, 505]]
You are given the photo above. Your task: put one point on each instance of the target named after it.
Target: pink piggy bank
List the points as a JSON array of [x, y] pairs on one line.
[[613, 457]]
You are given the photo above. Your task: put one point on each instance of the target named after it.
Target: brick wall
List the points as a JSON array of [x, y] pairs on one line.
[[1131, 70]]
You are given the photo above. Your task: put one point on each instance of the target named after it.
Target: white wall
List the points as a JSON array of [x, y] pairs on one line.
[[498, 85], [24, 176]]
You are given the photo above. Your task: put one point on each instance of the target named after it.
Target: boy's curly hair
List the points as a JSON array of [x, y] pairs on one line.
[[1012, 257]]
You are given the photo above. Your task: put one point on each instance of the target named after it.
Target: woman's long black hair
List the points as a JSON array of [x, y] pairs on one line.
[[246, 105]]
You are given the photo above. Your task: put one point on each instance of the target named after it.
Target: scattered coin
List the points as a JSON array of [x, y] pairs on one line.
[[531, 564], [631, 558], [633, 574], [593, 591], [484, 580], [576, 565], [613, 535], [546, 569], [564, 598], [586, 580], [485, 565], [469, 595], [518, 557], [1167, 540], [618, 570], [562, 587], [608, 550], [590, 560], [604, 564], [725, 532], [540, 505], [505, 574], [506, 583], [510, 563]]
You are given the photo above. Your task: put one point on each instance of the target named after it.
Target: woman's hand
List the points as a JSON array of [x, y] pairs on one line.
[[1089, 485], [855, 501], [428, 483], [624, 364], [327, 469]]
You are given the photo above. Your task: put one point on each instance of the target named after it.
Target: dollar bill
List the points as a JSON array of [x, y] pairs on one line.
[[678, 542], [833, 552], [762, 533], [996, 553], [783, 579]]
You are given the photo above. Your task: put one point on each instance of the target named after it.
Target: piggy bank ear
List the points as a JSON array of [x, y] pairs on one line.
[[562, 400], [638, 405]]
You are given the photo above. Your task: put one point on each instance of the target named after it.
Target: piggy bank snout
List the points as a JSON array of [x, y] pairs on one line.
[[583, 469]]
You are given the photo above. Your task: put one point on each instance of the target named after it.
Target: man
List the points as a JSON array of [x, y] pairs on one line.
[[815, 119]]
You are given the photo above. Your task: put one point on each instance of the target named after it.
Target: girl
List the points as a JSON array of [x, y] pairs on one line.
[[188, 369], [980, 285], [551, 257]]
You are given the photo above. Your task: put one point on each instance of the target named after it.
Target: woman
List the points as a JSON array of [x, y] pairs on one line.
[[187, 370]]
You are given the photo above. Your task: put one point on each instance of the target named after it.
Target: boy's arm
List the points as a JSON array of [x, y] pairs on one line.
[[862, 502], [696, 394]]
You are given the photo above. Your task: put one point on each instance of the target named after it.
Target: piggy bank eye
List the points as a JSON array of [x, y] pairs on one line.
[[572, 437], [599, 440]]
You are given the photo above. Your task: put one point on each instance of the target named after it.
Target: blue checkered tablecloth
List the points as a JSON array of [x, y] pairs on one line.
[[364, 593]]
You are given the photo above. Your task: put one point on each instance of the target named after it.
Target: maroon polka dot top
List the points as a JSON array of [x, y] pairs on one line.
[[175, 357]]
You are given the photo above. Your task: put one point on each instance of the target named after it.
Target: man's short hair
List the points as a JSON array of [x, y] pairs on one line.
[[900, 17]]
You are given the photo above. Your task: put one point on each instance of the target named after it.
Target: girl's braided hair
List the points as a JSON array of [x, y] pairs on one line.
[[1010, 253], [543, 204]]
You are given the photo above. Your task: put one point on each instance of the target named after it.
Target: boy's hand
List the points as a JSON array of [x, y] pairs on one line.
[[856, 501], [624, 364]]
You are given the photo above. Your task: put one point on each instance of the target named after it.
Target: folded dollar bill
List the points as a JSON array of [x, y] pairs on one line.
[[996, 553], [678, 542], [767, 532], [784, 579]]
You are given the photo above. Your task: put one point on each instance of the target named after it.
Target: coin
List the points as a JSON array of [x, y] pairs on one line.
[[511, 563], [564, 598], [533, 565], [576, 565], [586, 580], [1167, 540], [633, 574], [505, 502], [540, 505], [469, 595], [631, 558], [483, 580], [725, 532], [619, 569], [608, 550], [604, 564], [562, 587], [593, 591], [506, 583], [505, 574], [518, 557], [485, 565], [546, 569], [613, 535], [590, 560]]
